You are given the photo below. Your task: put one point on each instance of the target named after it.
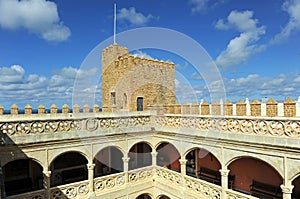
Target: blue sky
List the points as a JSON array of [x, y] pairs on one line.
[[255, 44]]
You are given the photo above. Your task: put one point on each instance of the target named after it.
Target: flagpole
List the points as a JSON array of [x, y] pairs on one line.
[[115, 22]]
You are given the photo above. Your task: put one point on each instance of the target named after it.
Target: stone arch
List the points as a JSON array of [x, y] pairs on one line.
[[212, 150], [251, 171], [141, 141], [144, 196], [140, 155], [163, 196], [201, 163], [22, 158], [168, 156], [97, 148], [296, 183], [68, 167], [271, 162], [108, 161], [175, 143], [22, 175], [59, 151]]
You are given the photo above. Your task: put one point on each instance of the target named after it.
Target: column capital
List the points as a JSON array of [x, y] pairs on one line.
[[287, 189], [90, 166], [224, 172], [154, 153], [182, 161], [47, 173], [125, 159]]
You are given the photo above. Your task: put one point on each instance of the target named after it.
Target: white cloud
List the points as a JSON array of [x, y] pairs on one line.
[[135, 18], [18, 87], [141, 54], [37, 16], [243, 46], [297, 78], [198, 5], [255, 86], [292, 7]]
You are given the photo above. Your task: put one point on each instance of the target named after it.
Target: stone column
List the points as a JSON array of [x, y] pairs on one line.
[[224, 181], [183, 166], [47, 175], [125, 162], [90, 168], [154, 158], [125, 167], [287, 191]]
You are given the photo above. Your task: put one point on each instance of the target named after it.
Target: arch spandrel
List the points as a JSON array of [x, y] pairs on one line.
[[293, 166]]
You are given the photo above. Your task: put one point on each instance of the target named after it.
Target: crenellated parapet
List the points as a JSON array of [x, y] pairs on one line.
[[255, 108], [53, 109]]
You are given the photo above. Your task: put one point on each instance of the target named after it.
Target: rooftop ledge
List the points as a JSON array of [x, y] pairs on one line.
[[36, 124]]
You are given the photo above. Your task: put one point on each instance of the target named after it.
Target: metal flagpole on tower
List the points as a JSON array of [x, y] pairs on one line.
[[115, 22]]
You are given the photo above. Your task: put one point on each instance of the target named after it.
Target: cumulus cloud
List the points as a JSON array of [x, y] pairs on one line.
[[198, 5], [292, 7], [252, 86], [256, 86], [141, 54], [243, 46], [18, 87], [37, 16], [133, 17]]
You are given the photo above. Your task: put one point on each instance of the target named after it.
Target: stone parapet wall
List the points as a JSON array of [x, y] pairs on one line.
[[272, 108]]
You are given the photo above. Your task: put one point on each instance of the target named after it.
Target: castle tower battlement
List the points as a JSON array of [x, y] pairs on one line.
[[133, 83]]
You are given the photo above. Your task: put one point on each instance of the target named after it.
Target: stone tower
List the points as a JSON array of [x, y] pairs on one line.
[[132, 83]]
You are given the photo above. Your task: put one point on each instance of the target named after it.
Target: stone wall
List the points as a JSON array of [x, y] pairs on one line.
[[129, 77]]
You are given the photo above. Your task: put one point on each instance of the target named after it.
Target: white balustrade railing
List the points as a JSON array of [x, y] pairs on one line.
[[199, 187], [115, 182], [39, 194], [109, 182], [278, 127], [203, 188], [266, 126], [140, 175], [74, 190], [231, 194]]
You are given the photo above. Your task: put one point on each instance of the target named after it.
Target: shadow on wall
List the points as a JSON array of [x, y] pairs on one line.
[[19, 173]]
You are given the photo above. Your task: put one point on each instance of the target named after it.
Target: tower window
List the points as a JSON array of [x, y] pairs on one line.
[[113, 98], [140, 104]]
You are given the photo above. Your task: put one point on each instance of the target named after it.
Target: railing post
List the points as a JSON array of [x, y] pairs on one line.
[[125, 167], [154, 158], [224, 181], [90, 168], [183, 166], [287, 191], [47, 175], [183, 173]]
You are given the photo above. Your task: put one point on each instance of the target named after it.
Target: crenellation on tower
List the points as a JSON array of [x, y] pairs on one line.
[[133, 83]]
